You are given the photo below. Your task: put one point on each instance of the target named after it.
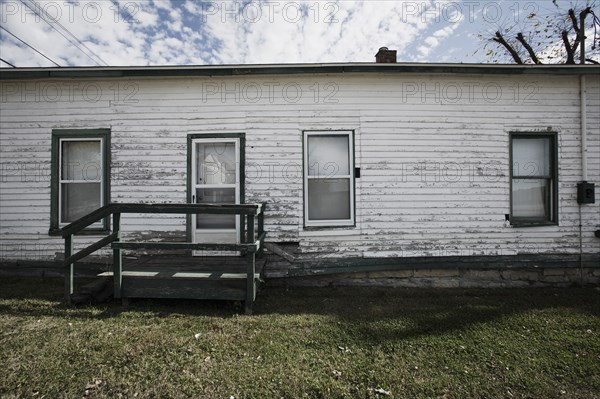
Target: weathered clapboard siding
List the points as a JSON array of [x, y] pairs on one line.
[[591, 214], [454, 205]]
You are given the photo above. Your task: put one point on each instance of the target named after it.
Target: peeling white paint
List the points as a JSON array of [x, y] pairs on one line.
[[434, 170]]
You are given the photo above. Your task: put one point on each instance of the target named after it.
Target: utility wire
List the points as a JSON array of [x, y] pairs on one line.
[[47, 18], [27, 44], [8, 63]]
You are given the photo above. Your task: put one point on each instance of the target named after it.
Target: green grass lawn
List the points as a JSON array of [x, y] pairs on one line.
[[304, 343]]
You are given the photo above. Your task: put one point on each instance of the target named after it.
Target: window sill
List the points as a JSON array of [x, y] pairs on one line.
[[330, 227], [86, 232], [314, 231], [532, 224]]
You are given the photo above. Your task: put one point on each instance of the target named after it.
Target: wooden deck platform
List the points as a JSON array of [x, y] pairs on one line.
[[229, 278], [186, 277]]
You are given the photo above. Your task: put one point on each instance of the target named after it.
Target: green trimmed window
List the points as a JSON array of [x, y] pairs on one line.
[[80, 179], [328, 178], [534, 179]]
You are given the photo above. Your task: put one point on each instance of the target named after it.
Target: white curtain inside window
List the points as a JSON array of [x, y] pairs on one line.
[[79, 199], [328, 156], [529, 198], [215, 163], [329, 199], [81, 178], [81, 160], [531, 156]]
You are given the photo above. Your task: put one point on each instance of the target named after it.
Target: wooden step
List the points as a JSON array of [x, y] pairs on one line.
[[186, 277], [197, 287], [175, 275]]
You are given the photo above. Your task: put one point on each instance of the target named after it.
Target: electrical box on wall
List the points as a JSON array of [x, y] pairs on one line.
[[585, 193]]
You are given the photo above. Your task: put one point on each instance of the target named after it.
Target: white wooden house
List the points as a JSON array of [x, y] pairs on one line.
[[421, 174]]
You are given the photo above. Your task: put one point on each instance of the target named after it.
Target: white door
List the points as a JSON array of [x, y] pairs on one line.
[[215, 180]]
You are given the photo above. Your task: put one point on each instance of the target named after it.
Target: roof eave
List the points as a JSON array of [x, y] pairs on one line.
[[295, 69]]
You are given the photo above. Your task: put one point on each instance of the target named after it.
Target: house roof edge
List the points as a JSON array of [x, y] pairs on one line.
[[289, 69]]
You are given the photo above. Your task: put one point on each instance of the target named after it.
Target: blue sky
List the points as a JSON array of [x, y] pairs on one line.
[[186, 32]]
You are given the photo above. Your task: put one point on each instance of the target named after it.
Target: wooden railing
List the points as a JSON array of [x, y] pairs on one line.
[[251, 238]]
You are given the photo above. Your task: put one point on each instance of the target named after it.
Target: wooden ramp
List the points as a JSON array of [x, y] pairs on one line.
[[186, 277]]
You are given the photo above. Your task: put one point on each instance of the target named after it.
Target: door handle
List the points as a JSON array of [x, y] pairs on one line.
[[193, 199]]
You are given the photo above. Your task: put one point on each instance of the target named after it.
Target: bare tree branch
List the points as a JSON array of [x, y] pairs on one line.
[[500, 39], [579, 27], [573, 49], [532, 54], [574, 20], [581, 34], [570, 51], [572, 35]]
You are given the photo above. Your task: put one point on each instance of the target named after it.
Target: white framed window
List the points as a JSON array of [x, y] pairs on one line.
[[534, 194], [80, 176], [328, 178]]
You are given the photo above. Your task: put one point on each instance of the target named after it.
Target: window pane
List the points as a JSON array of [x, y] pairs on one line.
[[529, 198], [329, 199], [531, 157], [215, 196], [79, 199], [81, 160], [328, 156], [215, 163]]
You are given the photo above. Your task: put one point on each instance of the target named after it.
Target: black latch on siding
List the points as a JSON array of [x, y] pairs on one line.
[[357, 173]]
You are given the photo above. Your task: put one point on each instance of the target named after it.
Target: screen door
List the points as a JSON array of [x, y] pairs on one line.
[[215, 180]]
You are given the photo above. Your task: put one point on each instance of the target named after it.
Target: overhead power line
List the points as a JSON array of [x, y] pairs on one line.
[[28, 45], [7, 63], [63, 31]]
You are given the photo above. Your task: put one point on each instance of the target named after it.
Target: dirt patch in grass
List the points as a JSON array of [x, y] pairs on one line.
[[304, 343]]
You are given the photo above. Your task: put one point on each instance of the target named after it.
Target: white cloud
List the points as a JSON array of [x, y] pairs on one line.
[[327, 32], [142, 32], [166, 5]]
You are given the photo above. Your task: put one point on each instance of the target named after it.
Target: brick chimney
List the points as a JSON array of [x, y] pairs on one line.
[[385, 56]]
